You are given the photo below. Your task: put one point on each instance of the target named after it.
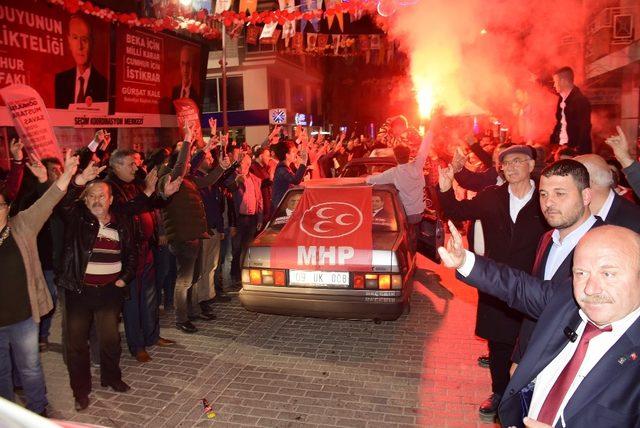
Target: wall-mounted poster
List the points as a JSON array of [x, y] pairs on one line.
[[63, 57], [153, 69]]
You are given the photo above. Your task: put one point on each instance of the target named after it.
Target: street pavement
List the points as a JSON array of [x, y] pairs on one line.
[[275, 371]]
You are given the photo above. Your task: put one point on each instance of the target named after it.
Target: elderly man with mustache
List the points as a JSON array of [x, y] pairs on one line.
[[99, 260], [582, 365]]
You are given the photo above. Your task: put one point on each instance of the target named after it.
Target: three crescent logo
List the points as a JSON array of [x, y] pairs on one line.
[[331, 220]]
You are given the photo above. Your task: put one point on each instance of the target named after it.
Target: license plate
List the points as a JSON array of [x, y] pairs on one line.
[[318, 278]]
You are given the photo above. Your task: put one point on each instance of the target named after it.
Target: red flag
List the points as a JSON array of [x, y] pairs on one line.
[[253, 32], [323, 40], [298, 42], [330, 229]]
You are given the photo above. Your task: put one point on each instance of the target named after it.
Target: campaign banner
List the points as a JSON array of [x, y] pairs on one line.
[[329, 230], [153, 69], [63, 57], [187, 112], [31, 120]]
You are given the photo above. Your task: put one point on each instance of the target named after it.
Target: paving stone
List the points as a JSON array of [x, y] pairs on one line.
[[274, 371]]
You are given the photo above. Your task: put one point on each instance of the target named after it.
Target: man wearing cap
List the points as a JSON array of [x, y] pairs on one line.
[[513, 224]]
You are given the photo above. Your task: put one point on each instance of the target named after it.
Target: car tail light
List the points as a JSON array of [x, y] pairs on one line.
[[371, 280], [264, 277], [384, 282], [267, 277], [374, 281], [358, 280], [279, 277], [396, 282], [255, 278]]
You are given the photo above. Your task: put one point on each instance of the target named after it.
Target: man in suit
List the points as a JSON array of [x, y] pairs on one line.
[[185, 89], [513, 224], [573, 114], [605, 203], [83, 80], [582, 365], [564, 199]]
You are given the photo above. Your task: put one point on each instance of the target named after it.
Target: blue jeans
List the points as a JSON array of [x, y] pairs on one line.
[[45, 321], [140, 312], [165, 263], [21, 341]]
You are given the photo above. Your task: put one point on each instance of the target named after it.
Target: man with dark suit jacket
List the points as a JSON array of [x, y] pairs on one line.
[[512, 224], [564, 199], [82, 81], [573, 114], [605, 203], [582, 366]]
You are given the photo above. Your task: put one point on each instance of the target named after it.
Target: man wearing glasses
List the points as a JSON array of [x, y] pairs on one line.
[[513, 224]]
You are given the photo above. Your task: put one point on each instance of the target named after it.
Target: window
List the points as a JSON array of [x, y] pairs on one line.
[[277, 95], [213, 95], [383, 214]]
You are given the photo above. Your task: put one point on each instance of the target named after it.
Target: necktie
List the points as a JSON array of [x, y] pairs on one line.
[[80, 97], [563, 383], [184, 92]]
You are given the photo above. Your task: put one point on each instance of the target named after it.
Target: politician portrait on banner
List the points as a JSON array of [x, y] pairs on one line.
[[61, 56]]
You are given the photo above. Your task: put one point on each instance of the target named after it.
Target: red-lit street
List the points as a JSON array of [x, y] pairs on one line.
[[267, 370]]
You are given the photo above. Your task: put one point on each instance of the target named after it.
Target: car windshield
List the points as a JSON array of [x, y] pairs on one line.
[[360, 170], [384, 217]]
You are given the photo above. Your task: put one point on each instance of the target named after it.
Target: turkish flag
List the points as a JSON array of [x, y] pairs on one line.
[[330, 229]]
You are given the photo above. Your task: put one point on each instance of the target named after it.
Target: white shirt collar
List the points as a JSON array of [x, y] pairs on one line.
[[619, 326], [529, 193], [606, 207], [85, 75], [575, 235]]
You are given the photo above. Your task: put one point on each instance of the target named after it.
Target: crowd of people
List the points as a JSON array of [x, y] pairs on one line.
[[107, 235]]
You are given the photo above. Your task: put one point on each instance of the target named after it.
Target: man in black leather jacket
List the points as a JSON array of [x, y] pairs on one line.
[[99, 260]]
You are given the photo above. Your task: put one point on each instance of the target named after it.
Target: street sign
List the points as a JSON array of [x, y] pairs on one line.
[[278, 116]]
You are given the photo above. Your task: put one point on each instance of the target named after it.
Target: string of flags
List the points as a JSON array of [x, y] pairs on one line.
[[206, 24], [374, 48]]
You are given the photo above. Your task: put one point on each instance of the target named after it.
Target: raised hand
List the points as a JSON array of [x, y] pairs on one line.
[[445, 178], [453, 255], [70, 167], [99, 136], [172, 187], [303, 156], [37, 168], [150, 182], [213, 124], [224, 140], [71, 163], [459, 159], [620, 147], [88, 174], [15, 148], [187, 130], [106, 140]]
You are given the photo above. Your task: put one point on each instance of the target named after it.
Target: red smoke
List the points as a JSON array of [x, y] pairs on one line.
[[471, 56]]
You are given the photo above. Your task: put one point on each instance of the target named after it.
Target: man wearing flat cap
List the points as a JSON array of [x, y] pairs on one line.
[[513, 224]]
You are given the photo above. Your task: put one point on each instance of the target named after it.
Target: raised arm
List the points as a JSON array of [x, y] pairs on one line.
[[518, 289], [38, 213]]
